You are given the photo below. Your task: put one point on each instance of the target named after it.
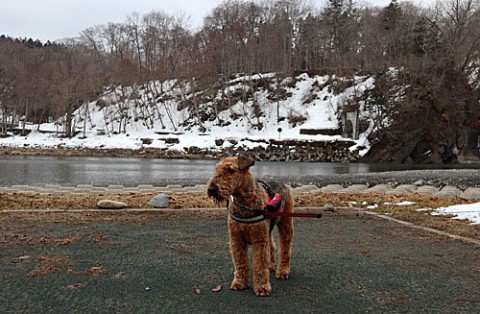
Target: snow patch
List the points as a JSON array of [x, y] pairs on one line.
[[470, 212]]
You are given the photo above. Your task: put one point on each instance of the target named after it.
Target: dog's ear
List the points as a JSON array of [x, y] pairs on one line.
[[245, 162]]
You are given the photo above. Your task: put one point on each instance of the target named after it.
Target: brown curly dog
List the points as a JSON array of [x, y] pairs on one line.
[[246, 200]]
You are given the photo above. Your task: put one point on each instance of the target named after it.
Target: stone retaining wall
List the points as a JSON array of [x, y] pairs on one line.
[[468, 193], [266, 150]]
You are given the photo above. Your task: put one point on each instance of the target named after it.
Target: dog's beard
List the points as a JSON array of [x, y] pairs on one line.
[[218, 194], [219, 200]]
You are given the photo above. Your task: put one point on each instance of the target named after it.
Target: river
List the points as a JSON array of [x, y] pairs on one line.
[[104, 171]]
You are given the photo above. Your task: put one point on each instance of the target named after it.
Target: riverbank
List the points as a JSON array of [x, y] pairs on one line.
[[302, 150], [107, 152]]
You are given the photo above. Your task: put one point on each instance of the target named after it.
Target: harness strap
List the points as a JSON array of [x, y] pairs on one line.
[[267, 188], [256, 216], [273, 210], [274, 205]]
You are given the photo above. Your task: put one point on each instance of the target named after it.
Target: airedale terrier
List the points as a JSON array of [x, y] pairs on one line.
[[246, 200]]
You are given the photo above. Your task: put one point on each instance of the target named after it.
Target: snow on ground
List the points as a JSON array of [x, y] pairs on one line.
[[154, 112], [469, 212], [133, 139]]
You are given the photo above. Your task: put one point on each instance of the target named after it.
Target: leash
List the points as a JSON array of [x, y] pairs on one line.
[[270, 214], [271, 211]]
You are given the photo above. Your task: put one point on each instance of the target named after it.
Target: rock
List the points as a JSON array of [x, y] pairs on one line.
[[159, 201], [329, 207], [109, 204], [471, 193], [146, 141], [419, 182], [360, 213]]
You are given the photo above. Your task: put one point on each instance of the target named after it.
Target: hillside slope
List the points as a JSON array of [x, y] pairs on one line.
[[290, 118]]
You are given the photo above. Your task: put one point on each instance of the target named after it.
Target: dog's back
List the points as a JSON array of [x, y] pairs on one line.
[[273, 187]]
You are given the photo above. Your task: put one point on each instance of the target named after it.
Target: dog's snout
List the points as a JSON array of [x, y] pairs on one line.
[[212, 190]]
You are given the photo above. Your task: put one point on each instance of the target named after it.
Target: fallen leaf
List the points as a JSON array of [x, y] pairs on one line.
[[94, 271], [217, 288], [76, 285], [97, 239], [23, 258], [120, 274], [196, 290]]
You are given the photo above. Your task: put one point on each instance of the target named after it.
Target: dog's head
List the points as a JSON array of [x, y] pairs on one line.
[[231, 176]]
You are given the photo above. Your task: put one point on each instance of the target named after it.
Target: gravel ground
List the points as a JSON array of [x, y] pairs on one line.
[[461, 178], [340, 264]]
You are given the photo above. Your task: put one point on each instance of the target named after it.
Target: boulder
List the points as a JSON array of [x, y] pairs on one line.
[[159, 201], [110, 204]]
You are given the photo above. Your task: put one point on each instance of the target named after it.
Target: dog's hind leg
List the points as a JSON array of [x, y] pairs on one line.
[[285, 232]]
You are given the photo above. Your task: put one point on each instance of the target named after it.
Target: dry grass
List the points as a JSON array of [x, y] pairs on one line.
[[385, 204], [89, 201]]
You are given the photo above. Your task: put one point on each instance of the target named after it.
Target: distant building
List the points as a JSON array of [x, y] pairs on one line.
[[350, 125]]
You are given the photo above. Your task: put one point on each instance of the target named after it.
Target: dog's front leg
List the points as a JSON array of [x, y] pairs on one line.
[[272, 252], [239, 252], [261, 261]]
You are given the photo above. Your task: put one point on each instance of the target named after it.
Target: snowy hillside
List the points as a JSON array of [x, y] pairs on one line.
[[246, 110]]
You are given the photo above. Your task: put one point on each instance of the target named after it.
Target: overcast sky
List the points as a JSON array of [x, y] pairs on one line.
[[58, 19]]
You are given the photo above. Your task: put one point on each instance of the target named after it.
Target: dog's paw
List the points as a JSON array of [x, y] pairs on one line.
[[263, 291], [282, 273], [238, 286]]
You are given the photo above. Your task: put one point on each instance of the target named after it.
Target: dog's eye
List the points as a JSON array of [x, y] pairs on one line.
[[231, 170]]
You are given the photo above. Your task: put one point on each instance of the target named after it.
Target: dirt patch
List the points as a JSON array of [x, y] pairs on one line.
[[13, 239], [47, 265]]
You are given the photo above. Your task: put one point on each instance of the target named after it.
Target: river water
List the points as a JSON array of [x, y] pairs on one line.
[[103, 171]]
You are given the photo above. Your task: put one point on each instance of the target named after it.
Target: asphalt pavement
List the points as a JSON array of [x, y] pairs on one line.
[[169, 263]]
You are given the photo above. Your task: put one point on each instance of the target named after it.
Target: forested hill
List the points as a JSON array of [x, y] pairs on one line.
[[426, 110]]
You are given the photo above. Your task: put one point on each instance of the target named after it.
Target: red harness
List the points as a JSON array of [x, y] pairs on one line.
[[272, 211]]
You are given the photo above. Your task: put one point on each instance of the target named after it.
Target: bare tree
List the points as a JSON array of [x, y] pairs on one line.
[[459, 24]]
